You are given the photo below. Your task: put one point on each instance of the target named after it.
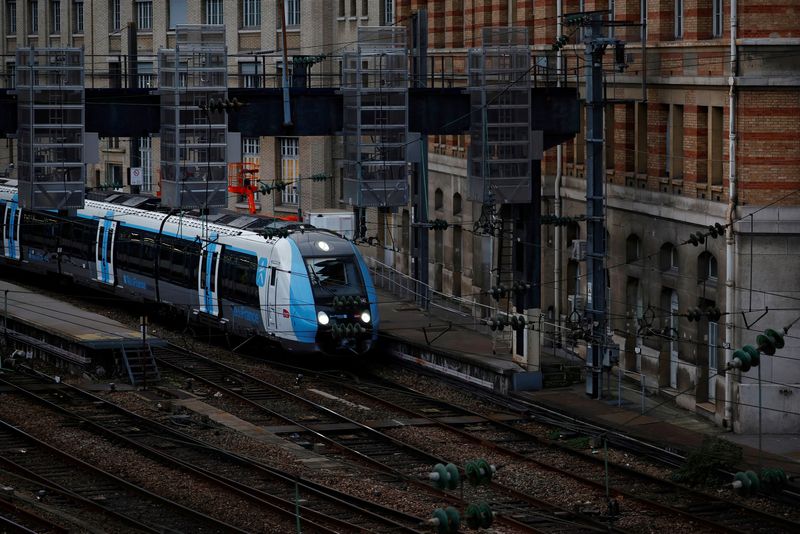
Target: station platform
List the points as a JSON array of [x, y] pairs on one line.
[[55, 329], [420, 338]]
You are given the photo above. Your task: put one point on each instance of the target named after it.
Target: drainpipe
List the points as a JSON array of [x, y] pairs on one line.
[[557, 191], [731, 215]]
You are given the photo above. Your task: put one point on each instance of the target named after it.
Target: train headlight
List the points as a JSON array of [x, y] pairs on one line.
[[322, 318], [365, 317]]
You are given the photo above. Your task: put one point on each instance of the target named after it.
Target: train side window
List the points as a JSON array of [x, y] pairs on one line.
[[238, 277], [272, 276]]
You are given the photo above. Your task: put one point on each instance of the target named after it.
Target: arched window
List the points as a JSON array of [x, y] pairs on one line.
[[457, 204], [706, 267], [633, 248], [438, 199], [668, 257]]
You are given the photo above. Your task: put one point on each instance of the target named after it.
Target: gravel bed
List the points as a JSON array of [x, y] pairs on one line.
[[424, 384], [128, 464]]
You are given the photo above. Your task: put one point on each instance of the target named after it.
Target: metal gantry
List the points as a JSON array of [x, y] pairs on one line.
[[193, 76], [375, 94], [500, 94], [50, 128]]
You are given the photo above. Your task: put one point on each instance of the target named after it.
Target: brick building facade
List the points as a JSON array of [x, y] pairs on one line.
[[669, 173]]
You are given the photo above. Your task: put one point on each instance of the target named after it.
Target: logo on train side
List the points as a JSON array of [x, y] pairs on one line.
[[261, 272], [285, 313]]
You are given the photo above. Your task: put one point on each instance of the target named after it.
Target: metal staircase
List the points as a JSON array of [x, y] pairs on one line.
[[141, 365]]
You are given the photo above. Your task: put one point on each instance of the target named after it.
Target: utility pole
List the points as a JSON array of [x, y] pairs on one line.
[[595, 199], [133, 75], [419, 67]]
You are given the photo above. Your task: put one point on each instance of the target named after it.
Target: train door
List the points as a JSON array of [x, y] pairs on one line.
[[207, 277], [104, 249], [272, 295], [262, 282], [11, 219]]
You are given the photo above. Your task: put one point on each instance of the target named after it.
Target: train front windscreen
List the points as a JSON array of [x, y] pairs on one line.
[[334, 276]]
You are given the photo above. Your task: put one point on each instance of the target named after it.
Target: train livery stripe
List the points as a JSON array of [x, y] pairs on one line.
[[301, 299], [104, 258], [371, 295], [208, 294], [12, 230]]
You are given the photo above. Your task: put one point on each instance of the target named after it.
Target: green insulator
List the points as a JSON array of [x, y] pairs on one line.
[[487, 517], [454, 477], [439, 476], [486, 471], [473, 516], [755, 355], [744, 483], [473, 473], [744, 358], [754, 482], [453, 519], [443, 526], [777, 336]]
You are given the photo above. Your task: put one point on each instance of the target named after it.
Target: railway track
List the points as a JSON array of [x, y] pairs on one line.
[[322, 509], [352, 440], [80, 487], [711, 512]]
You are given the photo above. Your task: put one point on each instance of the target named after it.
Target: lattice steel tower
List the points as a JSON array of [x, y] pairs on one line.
[[50, 118], [375, 90], [194, 137], [500, 132]]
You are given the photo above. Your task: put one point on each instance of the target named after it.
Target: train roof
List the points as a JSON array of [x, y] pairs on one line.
[[224, 222]]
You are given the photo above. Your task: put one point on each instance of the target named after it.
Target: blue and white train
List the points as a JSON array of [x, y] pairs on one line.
[[309, 289]]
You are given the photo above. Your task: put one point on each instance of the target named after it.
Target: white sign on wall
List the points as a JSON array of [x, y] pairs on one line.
[[137, 176]]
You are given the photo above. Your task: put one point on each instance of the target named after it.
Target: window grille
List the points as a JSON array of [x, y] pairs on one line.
[[290, 168]]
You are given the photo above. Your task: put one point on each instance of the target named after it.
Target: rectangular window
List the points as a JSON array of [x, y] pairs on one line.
[[144, 14], [145, 76], [146, 161], [11, 17], [715, 142], [251, 153], [290, 168], [388, 13], [640, 144], [55, 16], [291, 9], [341, 8], [675, 128], [177, 13], [115, 15], [364, 8], [33, 9], [250, 75], [678, 19], [77, 16], [251, 13], [611, 18], [250, 150], [213, 11], [113, 176], [609, 135], [716, 18]]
